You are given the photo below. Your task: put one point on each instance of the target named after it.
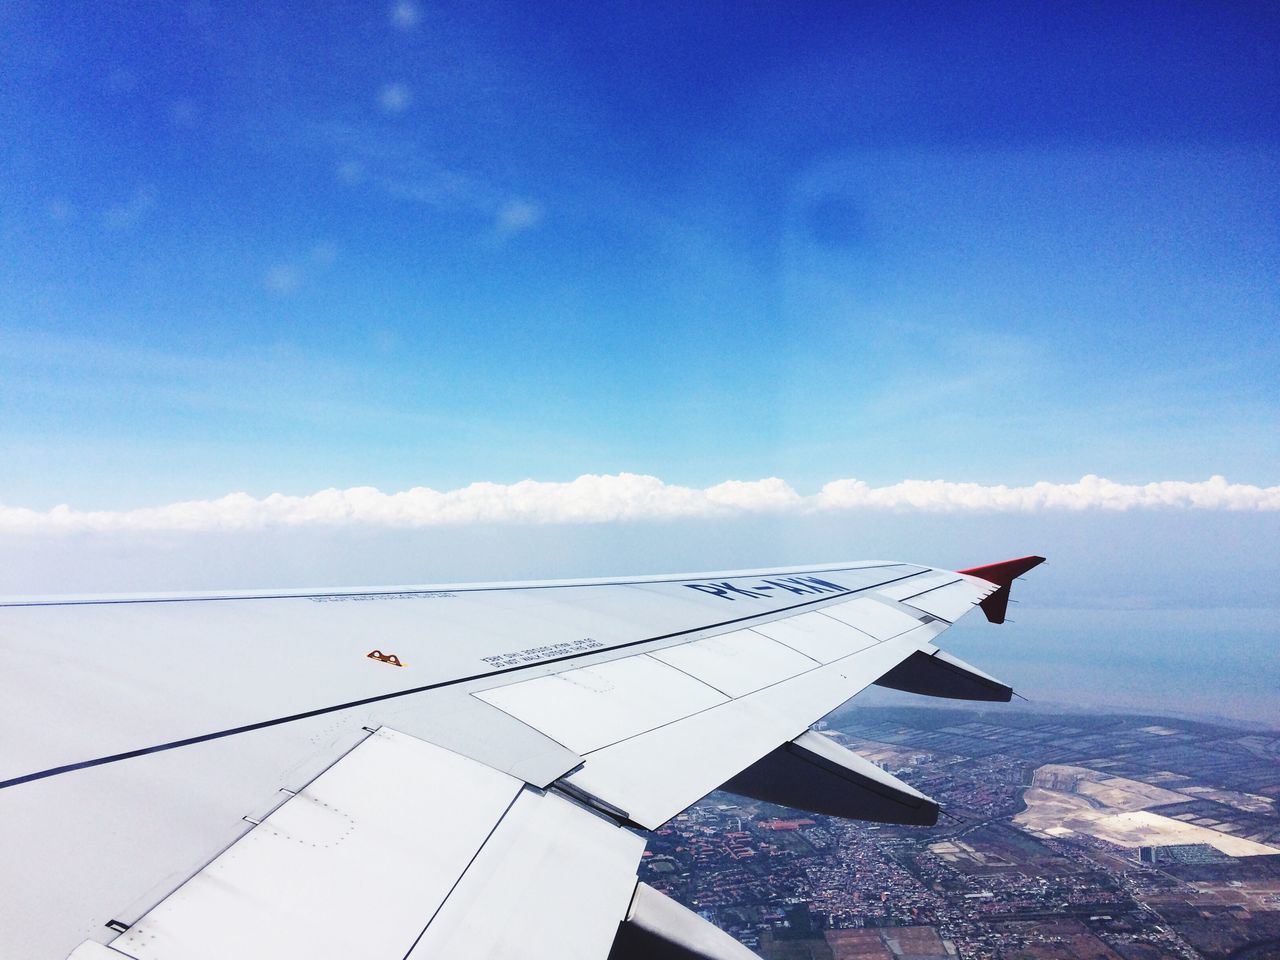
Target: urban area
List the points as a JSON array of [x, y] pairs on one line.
[[1062, 836]]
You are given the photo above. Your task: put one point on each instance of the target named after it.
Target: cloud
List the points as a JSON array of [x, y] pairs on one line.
[[516, 216], [633, 497], [396, 162], [1089, 493], [395, 98], [405, 15]]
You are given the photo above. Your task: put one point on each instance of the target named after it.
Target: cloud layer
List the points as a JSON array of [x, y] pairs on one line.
[[628, 496]]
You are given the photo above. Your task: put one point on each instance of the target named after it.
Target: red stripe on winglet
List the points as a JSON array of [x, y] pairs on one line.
[[1003, 574]]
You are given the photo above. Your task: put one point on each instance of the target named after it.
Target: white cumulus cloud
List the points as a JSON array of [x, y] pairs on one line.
[[1089, 493], [631, 497]]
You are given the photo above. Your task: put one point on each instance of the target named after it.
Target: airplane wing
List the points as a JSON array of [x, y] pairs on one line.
[[449, 771]]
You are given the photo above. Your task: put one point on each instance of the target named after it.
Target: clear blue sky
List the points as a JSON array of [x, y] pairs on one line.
[[288, 246]]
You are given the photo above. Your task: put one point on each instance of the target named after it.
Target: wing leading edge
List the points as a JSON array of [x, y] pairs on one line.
[[486, 799]]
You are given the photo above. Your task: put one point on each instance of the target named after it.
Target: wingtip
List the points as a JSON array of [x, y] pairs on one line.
[[1002, 574]]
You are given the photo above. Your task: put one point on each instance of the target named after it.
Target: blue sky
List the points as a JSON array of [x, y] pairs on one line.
[[293, 247], [307, 246]]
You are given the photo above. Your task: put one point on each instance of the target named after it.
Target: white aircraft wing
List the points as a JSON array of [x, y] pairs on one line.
[[447, 771]]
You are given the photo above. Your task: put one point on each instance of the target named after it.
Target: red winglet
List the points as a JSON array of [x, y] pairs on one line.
[[1003, 573]]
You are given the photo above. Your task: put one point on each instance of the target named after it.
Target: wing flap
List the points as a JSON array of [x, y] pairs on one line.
[[92, 950], [590, 707], [554, 880], [658, 928], [812, 773], [883, 621], [817, 636], [931, 672], [698, 753], [736, 663], [372, 847]]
